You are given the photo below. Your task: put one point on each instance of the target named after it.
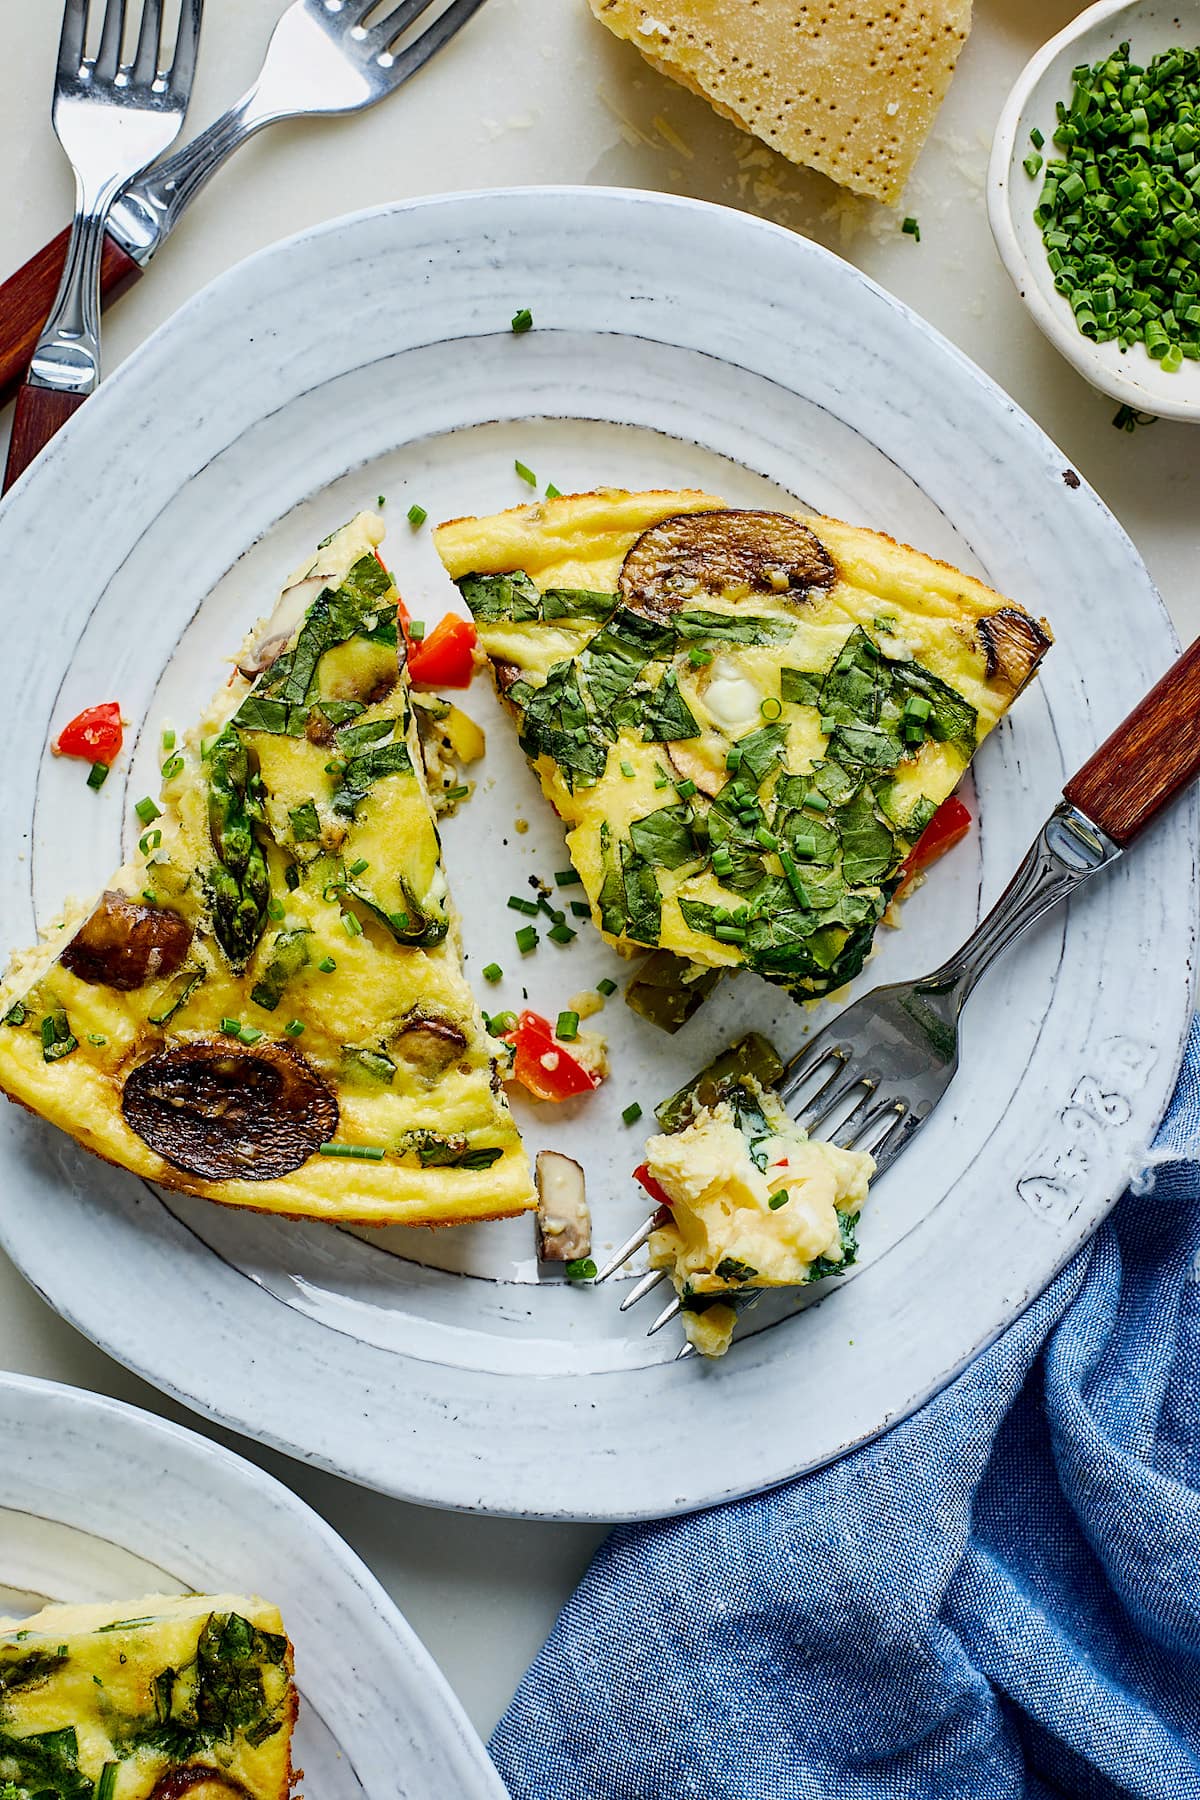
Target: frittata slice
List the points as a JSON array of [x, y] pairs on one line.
[[155, 1699], [746, 719], [266, 1006]]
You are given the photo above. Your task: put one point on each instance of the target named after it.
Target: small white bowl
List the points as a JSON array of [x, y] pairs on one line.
[[1150, 26]]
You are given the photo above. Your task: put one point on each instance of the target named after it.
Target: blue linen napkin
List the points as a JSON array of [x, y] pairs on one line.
[[999, 1598]]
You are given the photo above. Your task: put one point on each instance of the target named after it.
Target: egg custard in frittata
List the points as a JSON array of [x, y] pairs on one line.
[[745, 719], [157, 1699], [266, 1006]]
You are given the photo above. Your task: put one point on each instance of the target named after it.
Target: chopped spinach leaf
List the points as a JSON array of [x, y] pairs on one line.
[[665, 837], [494, 597], [362, 772], [696, 626], [289, 954], [666, 716], [799, 688], [306, 826]]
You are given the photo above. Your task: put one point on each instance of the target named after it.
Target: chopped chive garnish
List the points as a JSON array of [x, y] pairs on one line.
[[522, 320], [632, 1113], [149, 840], [771, 708], [561, 933], [911, 228], [793, 878], [804, 844], [778, 1199], [733, 758], [527, 939], [552, 492], [685, 789], [606, 987], [356, 868], [493, 972], [567, 1027], [171, 767], [250, 1034], [351, 925], [628, 770], [355, 1152], [502, 1022], [581, 909], [698, 657], [231, 1027], [525, 472], [582, 1268], [458, 793], [828, 724], [168, 740], [416, 630], [519, 904], [96, 1037], [295, 1028], [766, 838], [729, 934], [917, 707], [381, 501], [816, 801], [149, 896], [417, 515], [147, 811], [1036, 139], [327, 965], [97, 776], [274, 908], [567, 878]]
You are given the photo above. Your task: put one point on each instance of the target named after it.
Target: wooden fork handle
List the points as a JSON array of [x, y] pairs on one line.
[[40, 413], [27, 296], [1152, 755]]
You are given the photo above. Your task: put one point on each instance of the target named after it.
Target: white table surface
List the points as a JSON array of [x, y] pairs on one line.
[[534, 91]]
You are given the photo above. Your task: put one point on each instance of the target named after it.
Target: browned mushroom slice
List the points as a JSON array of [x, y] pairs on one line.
[[198, 1782], [225, 1112], [429, 1045], [125, 944], [505, 674], [697, 761], [564, 1223], [695, 555], [1013, 644]]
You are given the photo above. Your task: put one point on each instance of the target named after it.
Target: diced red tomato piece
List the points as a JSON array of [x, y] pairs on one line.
[[655, 1189], [96, 734], [446, 658], [948, 826], [543, 1065]]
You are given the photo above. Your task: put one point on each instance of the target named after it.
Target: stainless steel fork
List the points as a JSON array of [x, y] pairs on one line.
[[873, 1076], [325, 57], [112, 118]]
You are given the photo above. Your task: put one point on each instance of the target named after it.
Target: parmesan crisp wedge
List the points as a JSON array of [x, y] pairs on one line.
[[850, 87]]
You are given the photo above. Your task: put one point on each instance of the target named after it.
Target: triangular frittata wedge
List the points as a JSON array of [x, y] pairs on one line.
[[154, 1699], [266, 1006], [745, 719]]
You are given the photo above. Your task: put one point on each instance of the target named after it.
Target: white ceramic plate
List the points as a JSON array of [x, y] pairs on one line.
[[674, 343], [101, 1502]]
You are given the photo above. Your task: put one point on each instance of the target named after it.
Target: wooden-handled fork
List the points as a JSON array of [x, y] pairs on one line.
[[325, 57], [872, 1077]]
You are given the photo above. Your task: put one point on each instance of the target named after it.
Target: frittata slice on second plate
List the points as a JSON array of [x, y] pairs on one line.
[[156, 1699], [745, 719], [266, 1006]]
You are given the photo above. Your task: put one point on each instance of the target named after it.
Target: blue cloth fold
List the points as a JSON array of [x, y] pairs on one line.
[[1001, 1597]]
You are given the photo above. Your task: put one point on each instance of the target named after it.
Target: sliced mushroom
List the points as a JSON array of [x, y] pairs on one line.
[[1014, 644], [223, 1111], [505, 675], [282, 625], [198, 1782], [429, 1044], [564, 1224], [694, 760], [695, 555], [125, 944]]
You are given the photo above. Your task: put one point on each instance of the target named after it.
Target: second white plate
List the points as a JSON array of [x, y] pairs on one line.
[[673, 344]]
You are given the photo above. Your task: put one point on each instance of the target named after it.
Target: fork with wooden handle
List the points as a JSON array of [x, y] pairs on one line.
[[322, 59], [871, 1078], [112, 119]]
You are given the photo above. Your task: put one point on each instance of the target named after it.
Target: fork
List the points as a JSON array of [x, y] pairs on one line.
[[872, 1077], [324, 57], [112, 119]]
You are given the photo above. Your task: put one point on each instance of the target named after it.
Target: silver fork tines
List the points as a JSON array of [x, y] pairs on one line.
[[871, 1078], [325, 57], [112, 120]]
